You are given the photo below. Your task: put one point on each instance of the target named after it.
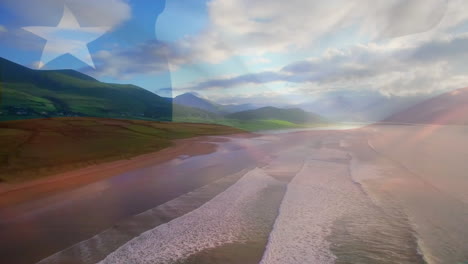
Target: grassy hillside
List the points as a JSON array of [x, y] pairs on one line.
[[38, 147], [27, 93], [266, 118], [191, 100], [292, 115], [258, 125], [183, 113]]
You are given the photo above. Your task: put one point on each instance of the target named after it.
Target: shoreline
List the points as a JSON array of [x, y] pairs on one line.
[[13, 194]]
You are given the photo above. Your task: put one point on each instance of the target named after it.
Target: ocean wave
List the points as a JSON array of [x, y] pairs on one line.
[[227, 218], [318, 194], [99, 246]]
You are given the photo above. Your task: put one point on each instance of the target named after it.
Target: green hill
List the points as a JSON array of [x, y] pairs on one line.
[[292, 115], [191, 100], [266, 118], [27, 93], [183, 113]]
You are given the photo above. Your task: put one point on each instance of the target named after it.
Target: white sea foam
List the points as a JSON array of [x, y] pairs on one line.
[[319, 194], [224, 219]]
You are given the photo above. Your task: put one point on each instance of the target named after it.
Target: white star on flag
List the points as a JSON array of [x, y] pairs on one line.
[[68, 37]]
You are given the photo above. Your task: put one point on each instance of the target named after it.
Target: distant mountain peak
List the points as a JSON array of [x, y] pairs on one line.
[[192, 94], [192, 100], [450, 108], [293, 115]]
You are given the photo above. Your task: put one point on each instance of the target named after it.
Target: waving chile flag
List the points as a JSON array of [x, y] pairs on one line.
[[368, 162], [70, 58]]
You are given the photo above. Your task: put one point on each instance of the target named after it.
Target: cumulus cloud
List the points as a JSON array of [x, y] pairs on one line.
[[259, 27], [102, 12], [88, 12], [254, 78], [124, 63], [256, 27], [409, 46], [435, 65], [396, 18]]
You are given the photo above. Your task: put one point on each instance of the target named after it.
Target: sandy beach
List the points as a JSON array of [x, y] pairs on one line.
[[31, 201], [12, 194], [331, 196]]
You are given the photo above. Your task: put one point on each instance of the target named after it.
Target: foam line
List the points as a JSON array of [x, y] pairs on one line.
[[225, 219], [319, 194]]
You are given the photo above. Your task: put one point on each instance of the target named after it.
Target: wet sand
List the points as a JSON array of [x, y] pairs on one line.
[[64, 209], [99, 246], [423, 173], [438, 154], [12, 194], [379, 194], [62, 219]]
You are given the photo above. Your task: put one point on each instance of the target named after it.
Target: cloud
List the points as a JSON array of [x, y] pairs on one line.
[[453, 48], [409, 47], [390, 68], [257, 27], [396, 18], [3, 29], [254, 78], [262, 27], [146, 58], [101, 13], [88, 12]]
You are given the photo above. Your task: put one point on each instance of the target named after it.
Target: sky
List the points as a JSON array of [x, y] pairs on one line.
[[247, 51]]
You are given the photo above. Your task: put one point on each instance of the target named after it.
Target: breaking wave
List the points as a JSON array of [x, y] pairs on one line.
[[229, 217]]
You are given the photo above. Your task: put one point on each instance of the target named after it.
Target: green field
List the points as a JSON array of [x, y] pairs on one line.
[[266, 118], [248, 125], [39, 147]]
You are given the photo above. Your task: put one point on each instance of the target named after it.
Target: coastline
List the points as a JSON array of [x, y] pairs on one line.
[[358, 166], [12, 194]]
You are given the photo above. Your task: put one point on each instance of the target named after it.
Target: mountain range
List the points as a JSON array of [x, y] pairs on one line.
[[26, 93], [449, 108], [191, 100], [194, 100], [359, 106], [293, 115], [37, 93], [338, 106], [246, 116]]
